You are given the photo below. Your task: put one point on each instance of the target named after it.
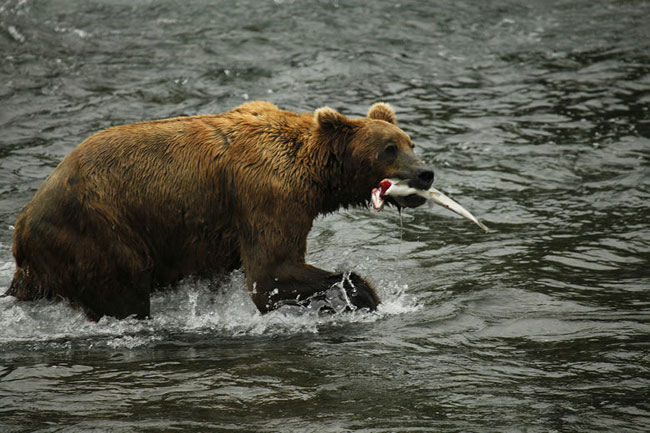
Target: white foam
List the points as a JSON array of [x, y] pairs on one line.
[[195, 307], [18, 37]]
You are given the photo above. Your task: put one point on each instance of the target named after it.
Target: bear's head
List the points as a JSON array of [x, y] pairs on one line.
[[367, 150]]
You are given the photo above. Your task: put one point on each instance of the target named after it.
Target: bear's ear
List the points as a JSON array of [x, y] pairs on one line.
[[333, 128], [330, 119], [382, 111]]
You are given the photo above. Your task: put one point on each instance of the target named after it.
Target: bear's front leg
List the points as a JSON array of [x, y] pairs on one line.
[[302, 284]]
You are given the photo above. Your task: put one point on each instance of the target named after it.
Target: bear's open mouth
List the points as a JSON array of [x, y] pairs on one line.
[[411, 201]]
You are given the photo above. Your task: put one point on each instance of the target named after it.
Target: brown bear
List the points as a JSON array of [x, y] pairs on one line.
[[138, 207]]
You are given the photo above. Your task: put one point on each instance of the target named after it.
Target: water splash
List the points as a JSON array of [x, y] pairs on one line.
[[196, 307]]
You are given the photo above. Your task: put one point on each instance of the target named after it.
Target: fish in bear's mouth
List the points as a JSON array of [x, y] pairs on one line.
[[408, 196]]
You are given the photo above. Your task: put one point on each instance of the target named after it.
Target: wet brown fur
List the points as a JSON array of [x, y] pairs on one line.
[[140, 206]]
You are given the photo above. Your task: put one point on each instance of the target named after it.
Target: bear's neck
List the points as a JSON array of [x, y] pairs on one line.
[[331, 176]]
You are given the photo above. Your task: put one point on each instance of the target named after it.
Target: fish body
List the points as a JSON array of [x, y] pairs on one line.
[[393, 187]]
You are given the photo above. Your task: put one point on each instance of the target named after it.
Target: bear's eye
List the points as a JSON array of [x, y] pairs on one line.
[[390, 150]]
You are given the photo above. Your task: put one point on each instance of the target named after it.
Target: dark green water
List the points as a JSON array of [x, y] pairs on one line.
[[535, 116]]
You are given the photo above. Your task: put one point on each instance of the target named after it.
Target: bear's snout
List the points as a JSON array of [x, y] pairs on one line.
[[422, 178]]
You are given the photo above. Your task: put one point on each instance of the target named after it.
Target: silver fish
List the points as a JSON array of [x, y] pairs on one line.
[[396, 187]]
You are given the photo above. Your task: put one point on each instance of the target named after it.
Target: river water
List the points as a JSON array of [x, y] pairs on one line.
[[535, 116]]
